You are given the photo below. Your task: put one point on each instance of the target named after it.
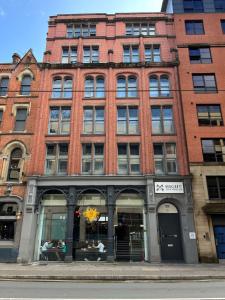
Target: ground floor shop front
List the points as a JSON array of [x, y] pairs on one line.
[[108, 218], [209, 209]]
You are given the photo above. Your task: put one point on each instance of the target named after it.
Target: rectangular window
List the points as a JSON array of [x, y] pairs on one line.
[[130, 54], [93, 159], [162, 120], [209, 115], [128, 159], [216, 187], [213, 150], [165, 158], [152, 53], [69, 55], [4, 82], [136, 29], [1, 116], [204, 82], [127, 120], [223, 25], [20, 122], [219, 5], [90, 54], [194, 27], [56, 159], [78, 30], [59, 122], [93, 120], [193, 6], [200, 55]]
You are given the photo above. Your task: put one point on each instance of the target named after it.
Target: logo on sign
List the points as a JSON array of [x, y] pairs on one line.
[[169, 187]]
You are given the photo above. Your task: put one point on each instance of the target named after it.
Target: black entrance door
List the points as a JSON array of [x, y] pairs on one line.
[[170, 237]]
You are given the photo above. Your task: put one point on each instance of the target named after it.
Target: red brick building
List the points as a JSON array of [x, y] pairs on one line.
[[19, 85], [110, 177], [201, 45]]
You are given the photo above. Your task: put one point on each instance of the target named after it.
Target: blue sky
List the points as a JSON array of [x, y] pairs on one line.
[[23, 23]]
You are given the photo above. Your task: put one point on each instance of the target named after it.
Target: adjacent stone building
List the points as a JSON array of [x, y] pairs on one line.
[[19, 84], [110, 178]]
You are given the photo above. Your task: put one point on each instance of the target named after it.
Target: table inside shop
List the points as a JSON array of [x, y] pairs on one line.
[[91, 254], [54, 254]]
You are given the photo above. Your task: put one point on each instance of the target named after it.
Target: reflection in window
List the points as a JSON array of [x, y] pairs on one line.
[[165, 158], [15, 165], [127, 87], [159, 86], [59, 122], [26, 85], [56, 159], [62, 87], [4, 82], [94, 87]]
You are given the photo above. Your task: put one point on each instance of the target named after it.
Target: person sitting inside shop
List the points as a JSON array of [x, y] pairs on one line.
[[62, 249], [101, 250], [44, 250]]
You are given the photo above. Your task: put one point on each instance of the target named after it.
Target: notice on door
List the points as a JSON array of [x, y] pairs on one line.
[[169, 187]]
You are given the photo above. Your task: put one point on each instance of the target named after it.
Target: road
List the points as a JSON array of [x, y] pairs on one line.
[[110, 290]]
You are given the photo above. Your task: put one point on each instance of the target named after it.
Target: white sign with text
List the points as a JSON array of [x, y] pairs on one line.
[[169, 187]]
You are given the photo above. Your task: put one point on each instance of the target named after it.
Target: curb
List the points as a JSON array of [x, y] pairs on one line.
[[111, 277]]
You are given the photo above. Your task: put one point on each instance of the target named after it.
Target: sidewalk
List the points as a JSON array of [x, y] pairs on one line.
[[111, 271]]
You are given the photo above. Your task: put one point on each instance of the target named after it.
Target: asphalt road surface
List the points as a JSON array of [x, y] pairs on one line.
[[122, 290], [110, 290]]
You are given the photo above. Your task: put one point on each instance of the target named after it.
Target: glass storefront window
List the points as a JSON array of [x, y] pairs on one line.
[[130, 236], [90, 228], [51, 244]]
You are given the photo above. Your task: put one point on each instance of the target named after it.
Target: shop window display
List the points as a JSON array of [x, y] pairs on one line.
[[51, 243], [90, 228]]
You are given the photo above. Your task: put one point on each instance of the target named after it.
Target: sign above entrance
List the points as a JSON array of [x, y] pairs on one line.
[[169, 187]]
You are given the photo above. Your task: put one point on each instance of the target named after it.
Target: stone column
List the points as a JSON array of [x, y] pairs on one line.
[[152, 224], [71, 204], [29, 225], [189, 243], [111, 208], [154, 255]]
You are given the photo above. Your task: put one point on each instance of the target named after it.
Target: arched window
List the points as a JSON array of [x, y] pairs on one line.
[[4, 82], [153, 86], [15, 164], [132, 87], [26, 85], [121, 87], [94, 87], [62, 87], [127, 87], [164, 86], [159, 86]]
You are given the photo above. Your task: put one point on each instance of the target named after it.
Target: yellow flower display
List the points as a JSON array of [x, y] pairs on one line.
[[91, 214]]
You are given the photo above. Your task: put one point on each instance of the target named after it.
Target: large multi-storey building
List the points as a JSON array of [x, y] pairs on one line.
[[111, 162], [201, 49], [19, 84]]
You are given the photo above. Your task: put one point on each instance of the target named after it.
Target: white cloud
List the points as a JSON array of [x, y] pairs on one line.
[[2, 12]]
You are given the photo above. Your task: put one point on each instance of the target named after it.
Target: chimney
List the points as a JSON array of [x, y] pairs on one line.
[[15, 58]]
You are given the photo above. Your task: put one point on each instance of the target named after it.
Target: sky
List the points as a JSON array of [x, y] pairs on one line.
[[24, 23]]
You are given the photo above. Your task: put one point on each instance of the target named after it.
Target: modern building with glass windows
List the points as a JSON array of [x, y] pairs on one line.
[[200, 35], [110, 178]]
